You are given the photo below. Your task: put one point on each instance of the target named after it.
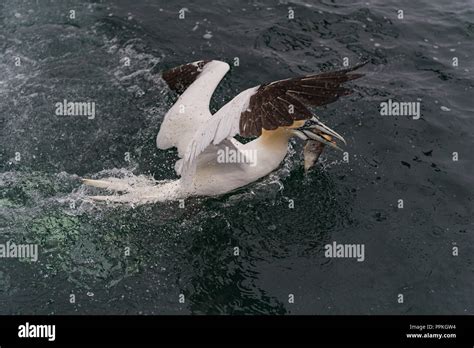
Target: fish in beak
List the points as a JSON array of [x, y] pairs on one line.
[[311, 152], [316, 136]]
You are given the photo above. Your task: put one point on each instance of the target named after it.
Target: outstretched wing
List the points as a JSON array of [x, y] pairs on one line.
[[280, 103], [196, 83], [181, 77], [268, 106]]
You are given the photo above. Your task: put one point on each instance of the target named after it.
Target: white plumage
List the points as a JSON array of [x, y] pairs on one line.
[[201, 138]]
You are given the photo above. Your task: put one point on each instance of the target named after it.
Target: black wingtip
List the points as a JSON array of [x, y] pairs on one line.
[[349, 77], [181, 77], [353, 68], [360, 65]]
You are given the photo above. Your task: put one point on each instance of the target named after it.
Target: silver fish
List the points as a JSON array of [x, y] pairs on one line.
[[311, 152]]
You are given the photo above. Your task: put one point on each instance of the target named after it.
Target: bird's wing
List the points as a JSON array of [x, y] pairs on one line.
[[210, 156], [196, 83], [268, 106], [181, 77], [280, 103]]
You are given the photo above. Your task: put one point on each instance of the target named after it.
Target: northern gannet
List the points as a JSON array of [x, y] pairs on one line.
[[212, 161]]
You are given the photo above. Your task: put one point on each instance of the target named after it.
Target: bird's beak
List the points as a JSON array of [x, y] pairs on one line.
[[317, 136]]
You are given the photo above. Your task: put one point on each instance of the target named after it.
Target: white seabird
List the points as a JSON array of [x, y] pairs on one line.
[[212, 161]]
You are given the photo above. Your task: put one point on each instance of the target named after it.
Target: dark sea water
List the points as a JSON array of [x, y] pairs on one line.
[[190, 251]]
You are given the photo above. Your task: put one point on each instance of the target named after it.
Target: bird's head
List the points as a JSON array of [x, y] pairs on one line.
[[316, 136]]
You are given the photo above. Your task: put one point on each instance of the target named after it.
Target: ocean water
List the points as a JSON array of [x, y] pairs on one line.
[[127, 259]]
